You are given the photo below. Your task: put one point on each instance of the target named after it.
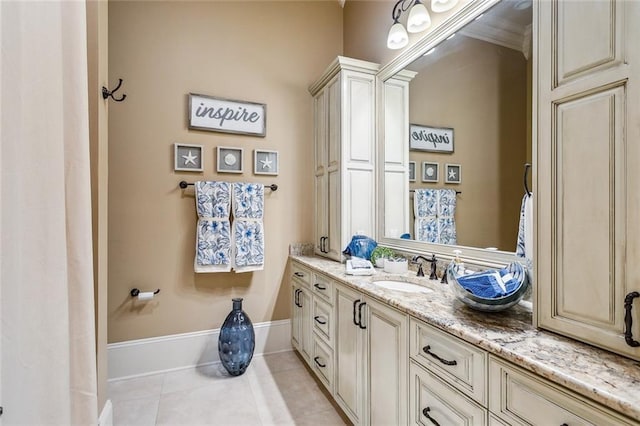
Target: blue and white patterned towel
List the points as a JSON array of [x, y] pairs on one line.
[[213, 241], [434, 211], [248, 228]]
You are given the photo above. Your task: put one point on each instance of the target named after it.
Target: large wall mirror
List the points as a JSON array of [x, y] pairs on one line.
[[457, 116]]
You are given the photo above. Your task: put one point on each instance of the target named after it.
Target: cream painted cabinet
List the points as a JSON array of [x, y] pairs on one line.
[[520, 398], [301, 321], [301, 333], [370, 360], [344, 137], [312, 323], [447, 380], [588, 170]]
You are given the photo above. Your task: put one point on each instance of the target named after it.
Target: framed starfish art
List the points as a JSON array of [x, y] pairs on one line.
[[453, 173], [188, 158], [265, 162]]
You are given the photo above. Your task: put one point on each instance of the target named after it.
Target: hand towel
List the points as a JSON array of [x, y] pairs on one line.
[[213, 242], [434, 211], [248, 228], [524, 247], [446, 216]]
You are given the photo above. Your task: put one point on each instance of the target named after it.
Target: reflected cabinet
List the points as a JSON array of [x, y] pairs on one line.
[[588, 196]]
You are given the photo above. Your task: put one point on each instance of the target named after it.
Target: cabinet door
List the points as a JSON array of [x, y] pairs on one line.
[[588, 169], [301, 334], [349, 355], [321, 121], [333, 244], [388, 358]]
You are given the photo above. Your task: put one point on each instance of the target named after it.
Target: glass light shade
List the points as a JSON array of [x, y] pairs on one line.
[[439, 6], [398, 37], [419, 19]]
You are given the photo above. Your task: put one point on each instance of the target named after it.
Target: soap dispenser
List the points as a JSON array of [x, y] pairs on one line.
[[459, 265]]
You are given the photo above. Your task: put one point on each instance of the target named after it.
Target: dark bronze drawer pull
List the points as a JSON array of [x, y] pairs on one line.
[[427, 349], [298, 274], [355, 302], [362, 326], [319, 320], [319, 287], [316, 359], [426, 414], [628, 319]]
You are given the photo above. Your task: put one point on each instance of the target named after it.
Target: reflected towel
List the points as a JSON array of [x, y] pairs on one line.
[[213, 242], [248, 227], [524, 248], [434, 211]]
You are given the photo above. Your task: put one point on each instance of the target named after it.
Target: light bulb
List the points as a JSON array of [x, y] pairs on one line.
[[398, 37], [439, 6], [419, 19]]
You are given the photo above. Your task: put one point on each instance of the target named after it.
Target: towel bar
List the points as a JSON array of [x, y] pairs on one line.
[[183, 184]]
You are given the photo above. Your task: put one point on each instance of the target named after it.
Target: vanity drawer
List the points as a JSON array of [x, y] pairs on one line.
[[322, 363], [462, 365], [432, 401], [322, 320], [323, 287], [301, 273], [520, 398]]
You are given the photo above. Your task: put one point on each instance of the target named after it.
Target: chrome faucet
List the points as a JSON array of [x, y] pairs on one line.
[[434, 265]]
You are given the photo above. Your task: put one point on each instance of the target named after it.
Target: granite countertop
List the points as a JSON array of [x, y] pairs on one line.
[[602, 376]]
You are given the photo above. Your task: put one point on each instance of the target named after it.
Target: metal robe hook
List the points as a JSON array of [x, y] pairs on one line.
[[106, 93]]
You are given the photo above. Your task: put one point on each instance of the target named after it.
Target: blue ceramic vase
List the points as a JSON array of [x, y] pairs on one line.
[[237, 340]]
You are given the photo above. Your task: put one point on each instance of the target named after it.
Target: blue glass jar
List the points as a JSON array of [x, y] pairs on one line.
[[237, 340]]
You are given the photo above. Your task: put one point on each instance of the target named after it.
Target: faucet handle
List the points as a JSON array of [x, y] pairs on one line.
[[420, 271]]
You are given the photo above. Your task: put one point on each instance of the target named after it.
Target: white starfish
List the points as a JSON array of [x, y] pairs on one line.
[[190, 158], [266, 163], [452, 174]]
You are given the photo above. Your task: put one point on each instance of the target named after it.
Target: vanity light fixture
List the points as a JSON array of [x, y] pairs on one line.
[[419, 20], [439, 6]]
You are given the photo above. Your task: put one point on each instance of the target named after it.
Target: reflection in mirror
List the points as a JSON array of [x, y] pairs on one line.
[[469, 109]]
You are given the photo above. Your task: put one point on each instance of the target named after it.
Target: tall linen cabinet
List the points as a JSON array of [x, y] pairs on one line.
[[344, 116], [588, 171]]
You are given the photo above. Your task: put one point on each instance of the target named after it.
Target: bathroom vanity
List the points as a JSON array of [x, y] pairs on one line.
[[396, 357]]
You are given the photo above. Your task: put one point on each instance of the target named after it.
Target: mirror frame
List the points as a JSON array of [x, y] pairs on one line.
[[450, 25]]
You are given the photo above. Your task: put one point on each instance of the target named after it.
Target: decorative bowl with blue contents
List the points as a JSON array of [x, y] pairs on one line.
[[491, 290]]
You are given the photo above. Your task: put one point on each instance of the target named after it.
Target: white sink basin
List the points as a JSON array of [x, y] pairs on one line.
[[402, 286]]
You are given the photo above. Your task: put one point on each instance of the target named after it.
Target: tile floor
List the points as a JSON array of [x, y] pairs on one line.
[[276, 389]]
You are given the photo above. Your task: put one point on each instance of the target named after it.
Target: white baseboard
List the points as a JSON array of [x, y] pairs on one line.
[[142, 357], [106, 416]]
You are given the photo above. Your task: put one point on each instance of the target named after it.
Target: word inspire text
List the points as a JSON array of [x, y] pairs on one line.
[[225, 113], [431, 137]]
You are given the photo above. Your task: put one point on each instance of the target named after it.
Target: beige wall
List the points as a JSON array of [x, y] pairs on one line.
[[480, 90], [266, 52]]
